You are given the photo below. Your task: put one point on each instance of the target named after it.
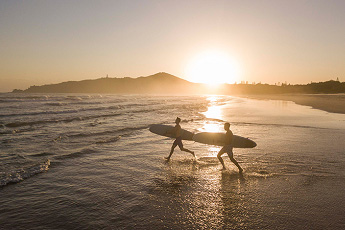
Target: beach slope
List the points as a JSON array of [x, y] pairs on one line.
[[334, 103]]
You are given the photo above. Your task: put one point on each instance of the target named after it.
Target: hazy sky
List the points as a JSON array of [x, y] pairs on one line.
[[42, 42]]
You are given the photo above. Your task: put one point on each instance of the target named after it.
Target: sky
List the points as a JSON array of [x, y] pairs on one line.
[[293, 41]]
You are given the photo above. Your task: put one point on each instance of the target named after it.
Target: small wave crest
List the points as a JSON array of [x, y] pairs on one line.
[[61, 104], [75, 154], [55, 104], [109, 140], [44, 154], [210, 160], [260, 174], [121, 131], [214, 119], [38, 113], [22, 173], [23, 98], [73, 98]]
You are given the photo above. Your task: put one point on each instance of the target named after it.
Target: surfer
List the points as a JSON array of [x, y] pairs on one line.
[[227, 148], [176, 131]]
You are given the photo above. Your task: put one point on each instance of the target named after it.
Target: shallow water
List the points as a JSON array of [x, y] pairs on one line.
[[89, 162]]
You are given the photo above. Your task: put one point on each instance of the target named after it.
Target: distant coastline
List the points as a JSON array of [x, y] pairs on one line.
[[164, 83]]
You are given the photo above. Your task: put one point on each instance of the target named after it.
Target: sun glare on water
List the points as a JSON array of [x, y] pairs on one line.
[[214, 111], [213, 68]]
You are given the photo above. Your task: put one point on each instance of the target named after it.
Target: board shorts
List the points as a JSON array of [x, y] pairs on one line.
[[178, 142], [227, 149]]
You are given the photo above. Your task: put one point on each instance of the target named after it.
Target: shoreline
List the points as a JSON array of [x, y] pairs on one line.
[[333, 103]]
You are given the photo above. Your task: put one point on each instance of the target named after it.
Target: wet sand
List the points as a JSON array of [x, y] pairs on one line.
[[334, 103]]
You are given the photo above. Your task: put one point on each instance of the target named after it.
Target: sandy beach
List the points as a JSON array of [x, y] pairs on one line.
[[334, 103]]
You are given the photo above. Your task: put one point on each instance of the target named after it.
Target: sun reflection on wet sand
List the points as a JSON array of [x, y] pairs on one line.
[[210, 127], [214, 110], [199, 194]]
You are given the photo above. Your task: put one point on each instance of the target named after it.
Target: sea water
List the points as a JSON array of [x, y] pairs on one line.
[[77, 161]]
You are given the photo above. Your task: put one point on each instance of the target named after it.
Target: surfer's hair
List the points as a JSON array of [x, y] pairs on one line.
[[178, 119], [227, 124]]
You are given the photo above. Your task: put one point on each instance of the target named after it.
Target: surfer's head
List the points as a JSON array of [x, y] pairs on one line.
[[178, 120], [227, 126]]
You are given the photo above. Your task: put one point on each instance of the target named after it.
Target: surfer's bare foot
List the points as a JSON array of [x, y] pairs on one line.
[[223, 168], [167, 158], [240, 170]]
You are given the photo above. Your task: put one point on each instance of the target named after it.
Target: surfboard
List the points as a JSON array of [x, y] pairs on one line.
[[164, 130], [219, 139]]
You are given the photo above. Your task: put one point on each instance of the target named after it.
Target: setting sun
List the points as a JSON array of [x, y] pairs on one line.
[[213, 67]]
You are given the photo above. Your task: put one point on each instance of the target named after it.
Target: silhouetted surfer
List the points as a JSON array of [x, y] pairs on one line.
[[178, 142], [228, 148]]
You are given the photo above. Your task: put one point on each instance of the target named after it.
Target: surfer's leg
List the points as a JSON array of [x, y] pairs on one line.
[[235, 162], [187, 150], [219, 156], [180, 145], [172, 150]]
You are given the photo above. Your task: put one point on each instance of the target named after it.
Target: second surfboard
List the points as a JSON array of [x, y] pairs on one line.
[[219, 139]]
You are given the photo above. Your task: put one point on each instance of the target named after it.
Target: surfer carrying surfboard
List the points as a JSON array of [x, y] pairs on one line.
[[227, 148], [176, 131]]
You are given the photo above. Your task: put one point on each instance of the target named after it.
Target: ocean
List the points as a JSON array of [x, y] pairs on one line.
[[88, 161]]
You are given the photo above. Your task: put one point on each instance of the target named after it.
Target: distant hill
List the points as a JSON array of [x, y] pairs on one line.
[[164, 83], [158, 83]]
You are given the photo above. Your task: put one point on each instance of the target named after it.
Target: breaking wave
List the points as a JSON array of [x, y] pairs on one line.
[[19, 124]]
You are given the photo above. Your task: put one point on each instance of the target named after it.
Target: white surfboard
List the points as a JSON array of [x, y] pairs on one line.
[[164, 130], [220, 139]]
